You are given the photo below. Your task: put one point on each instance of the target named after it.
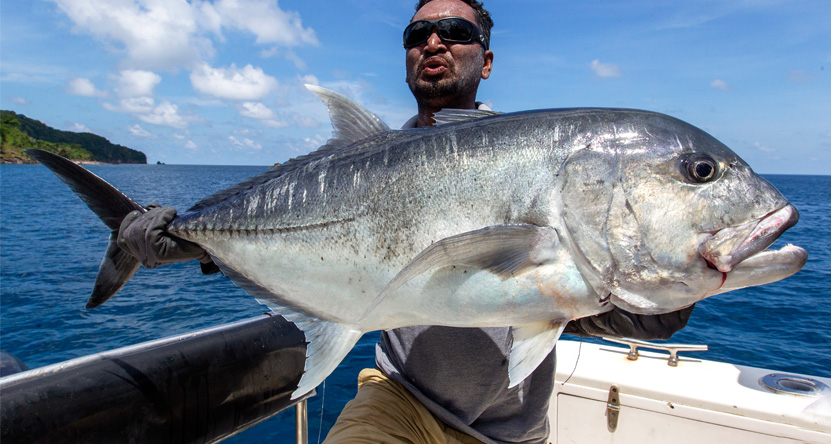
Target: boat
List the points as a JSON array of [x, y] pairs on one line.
[[605, 393], [209, 385], [198, 387]]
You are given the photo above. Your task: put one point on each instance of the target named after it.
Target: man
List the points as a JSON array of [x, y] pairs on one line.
[[435, 384]]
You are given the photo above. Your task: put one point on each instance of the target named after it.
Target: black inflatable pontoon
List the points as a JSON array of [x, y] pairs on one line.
[[199, 387]]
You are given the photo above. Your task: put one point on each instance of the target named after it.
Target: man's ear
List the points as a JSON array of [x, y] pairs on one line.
[[487, 66]]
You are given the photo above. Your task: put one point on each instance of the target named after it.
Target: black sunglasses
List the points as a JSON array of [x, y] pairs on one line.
[[450, 29]]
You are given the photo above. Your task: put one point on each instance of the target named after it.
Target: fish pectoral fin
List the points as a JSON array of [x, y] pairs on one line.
[[504, 250], [327, 344], [532, 343]]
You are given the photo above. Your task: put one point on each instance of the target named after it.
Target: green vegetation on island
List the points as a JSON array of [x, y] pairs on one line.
[[18, 132]]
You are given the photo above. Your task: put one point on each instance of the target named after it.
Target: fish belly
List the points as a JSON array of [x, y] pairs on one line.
[[341, 285]]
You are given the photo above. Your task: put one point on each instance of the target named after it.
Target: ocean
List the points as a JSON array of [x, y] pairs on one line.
[[51, 245]]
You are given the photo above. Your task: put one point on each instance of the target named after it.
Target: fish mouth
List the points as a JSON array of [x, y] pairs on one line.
[[740, 252], [729, 246]]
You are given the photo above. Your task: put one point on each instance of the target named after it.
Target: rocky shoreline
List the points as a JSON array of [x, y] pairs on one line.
[[17, 160]]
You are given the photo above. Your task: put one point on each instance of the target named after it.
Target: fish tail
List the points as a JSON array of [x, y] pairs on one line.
[[111, 206]]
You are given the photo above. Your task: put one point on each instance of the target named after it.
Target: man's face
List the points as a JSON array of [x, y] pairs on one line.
[[445, 75]]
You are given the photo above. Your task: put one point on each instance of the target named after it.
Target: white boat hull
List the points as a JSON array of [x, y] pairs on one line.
[[697, 401]]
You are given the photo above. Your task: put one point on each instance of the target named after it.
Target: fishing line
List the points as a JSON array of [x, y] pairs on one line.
[[579, 349], [322, 400]]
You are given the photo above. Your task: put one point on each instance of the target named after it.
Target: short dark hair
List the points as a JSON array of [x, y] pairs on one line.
[[483, 17]]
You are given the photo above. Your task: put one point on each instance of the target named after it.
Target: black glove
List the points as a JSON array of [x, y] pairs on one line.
[[145, 237], [620, 323]]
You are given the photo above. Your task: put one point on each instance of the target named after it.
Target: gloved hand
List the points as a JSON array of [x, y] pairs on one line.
[[620, 323], [144, 236]]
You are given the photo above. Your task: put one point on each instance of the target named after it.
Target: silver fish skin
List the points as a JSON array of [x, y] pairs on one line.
[[524, 220]]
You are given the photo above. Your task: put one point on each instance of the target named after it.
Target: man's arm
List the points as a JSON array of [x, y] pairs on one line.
[[145, 237], [621, 323]]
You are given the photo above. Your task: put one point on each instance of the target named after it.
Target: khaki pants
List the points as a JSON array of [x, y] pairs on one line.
[[384, 411]]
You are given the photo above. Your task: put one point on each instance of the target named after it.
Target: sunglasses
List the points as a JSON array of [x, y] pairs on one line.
[[450, 30]]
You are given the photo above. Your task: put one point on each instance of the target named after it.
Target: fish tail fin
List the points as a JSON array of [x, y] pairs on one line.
[[111, 206]]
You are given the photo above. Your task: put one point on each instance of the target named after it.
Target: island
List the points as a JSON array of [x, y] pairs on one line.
[[18, 132]]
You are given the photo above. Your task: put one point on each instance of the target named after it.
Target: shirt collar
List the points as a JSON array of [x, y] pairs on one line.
[[414, 120]]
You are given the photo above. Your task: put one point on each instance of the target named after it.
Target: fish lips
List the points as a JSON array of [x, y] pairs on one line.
[[728, 247], [764, 267]]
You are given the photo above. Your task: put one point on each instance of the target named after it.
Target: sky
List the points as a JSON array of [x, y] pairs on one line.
[[221, 81]]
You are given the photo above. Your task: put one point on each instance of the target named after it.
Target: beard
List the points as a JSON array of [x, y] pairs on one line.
[[447, 90], [435, 90]]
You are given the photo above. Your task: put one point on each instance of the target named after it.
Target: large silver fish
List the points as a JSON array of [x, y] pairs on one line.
[[526, 220]]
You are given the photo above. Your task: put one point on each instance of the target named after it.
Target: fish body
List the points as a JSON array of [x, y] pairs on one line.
[[524, 220]]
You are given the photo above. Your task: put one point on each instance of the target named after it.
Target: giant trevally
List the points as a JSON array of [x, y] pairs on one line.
[[524, 220]]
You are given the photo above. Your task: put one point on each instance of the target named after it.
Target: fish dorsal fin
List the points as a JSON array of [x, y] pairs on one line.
[[351, 121], [532, 343], [504, 250], [451, 115]]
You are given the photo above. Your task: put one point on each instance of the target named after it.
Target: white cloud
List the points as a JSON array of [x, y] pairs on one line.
[[80, 86], [287, 54], [175, 34], [354, 89], [137, 130], [605, 70], [264, 19], [763, 148], [251, 144], [309, 79], [246, 142], [233, 83], [132, 105], [79, 128], [146, 109], [720, 84], [166, 114], [154, 34], [307, 144], [135, 83], [304, 121], [190, 145], [256, 110], [19, 100]]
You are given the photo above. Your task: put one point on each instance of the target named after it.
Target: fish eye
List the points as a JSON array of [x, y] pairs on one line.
[[699, 168]]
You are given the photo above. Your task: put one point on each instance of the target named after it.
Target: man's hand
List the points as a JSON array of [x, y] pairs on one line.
[[620, 323], [145, 237]]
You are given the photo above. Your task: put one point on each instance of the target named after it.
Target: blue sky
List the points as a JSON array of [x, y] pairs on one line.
[[220, 82]]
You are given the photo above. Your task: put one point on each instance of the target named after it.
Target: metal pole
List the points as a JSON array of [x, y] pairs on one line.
[[301, 423]]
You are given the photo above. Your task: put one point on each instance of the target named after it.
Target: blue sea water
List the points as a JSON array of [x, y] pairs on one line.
[[51, 245]]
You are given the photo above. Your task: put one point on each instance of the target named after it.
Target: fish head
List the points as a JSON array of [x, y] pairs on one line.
[[659, 214]]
